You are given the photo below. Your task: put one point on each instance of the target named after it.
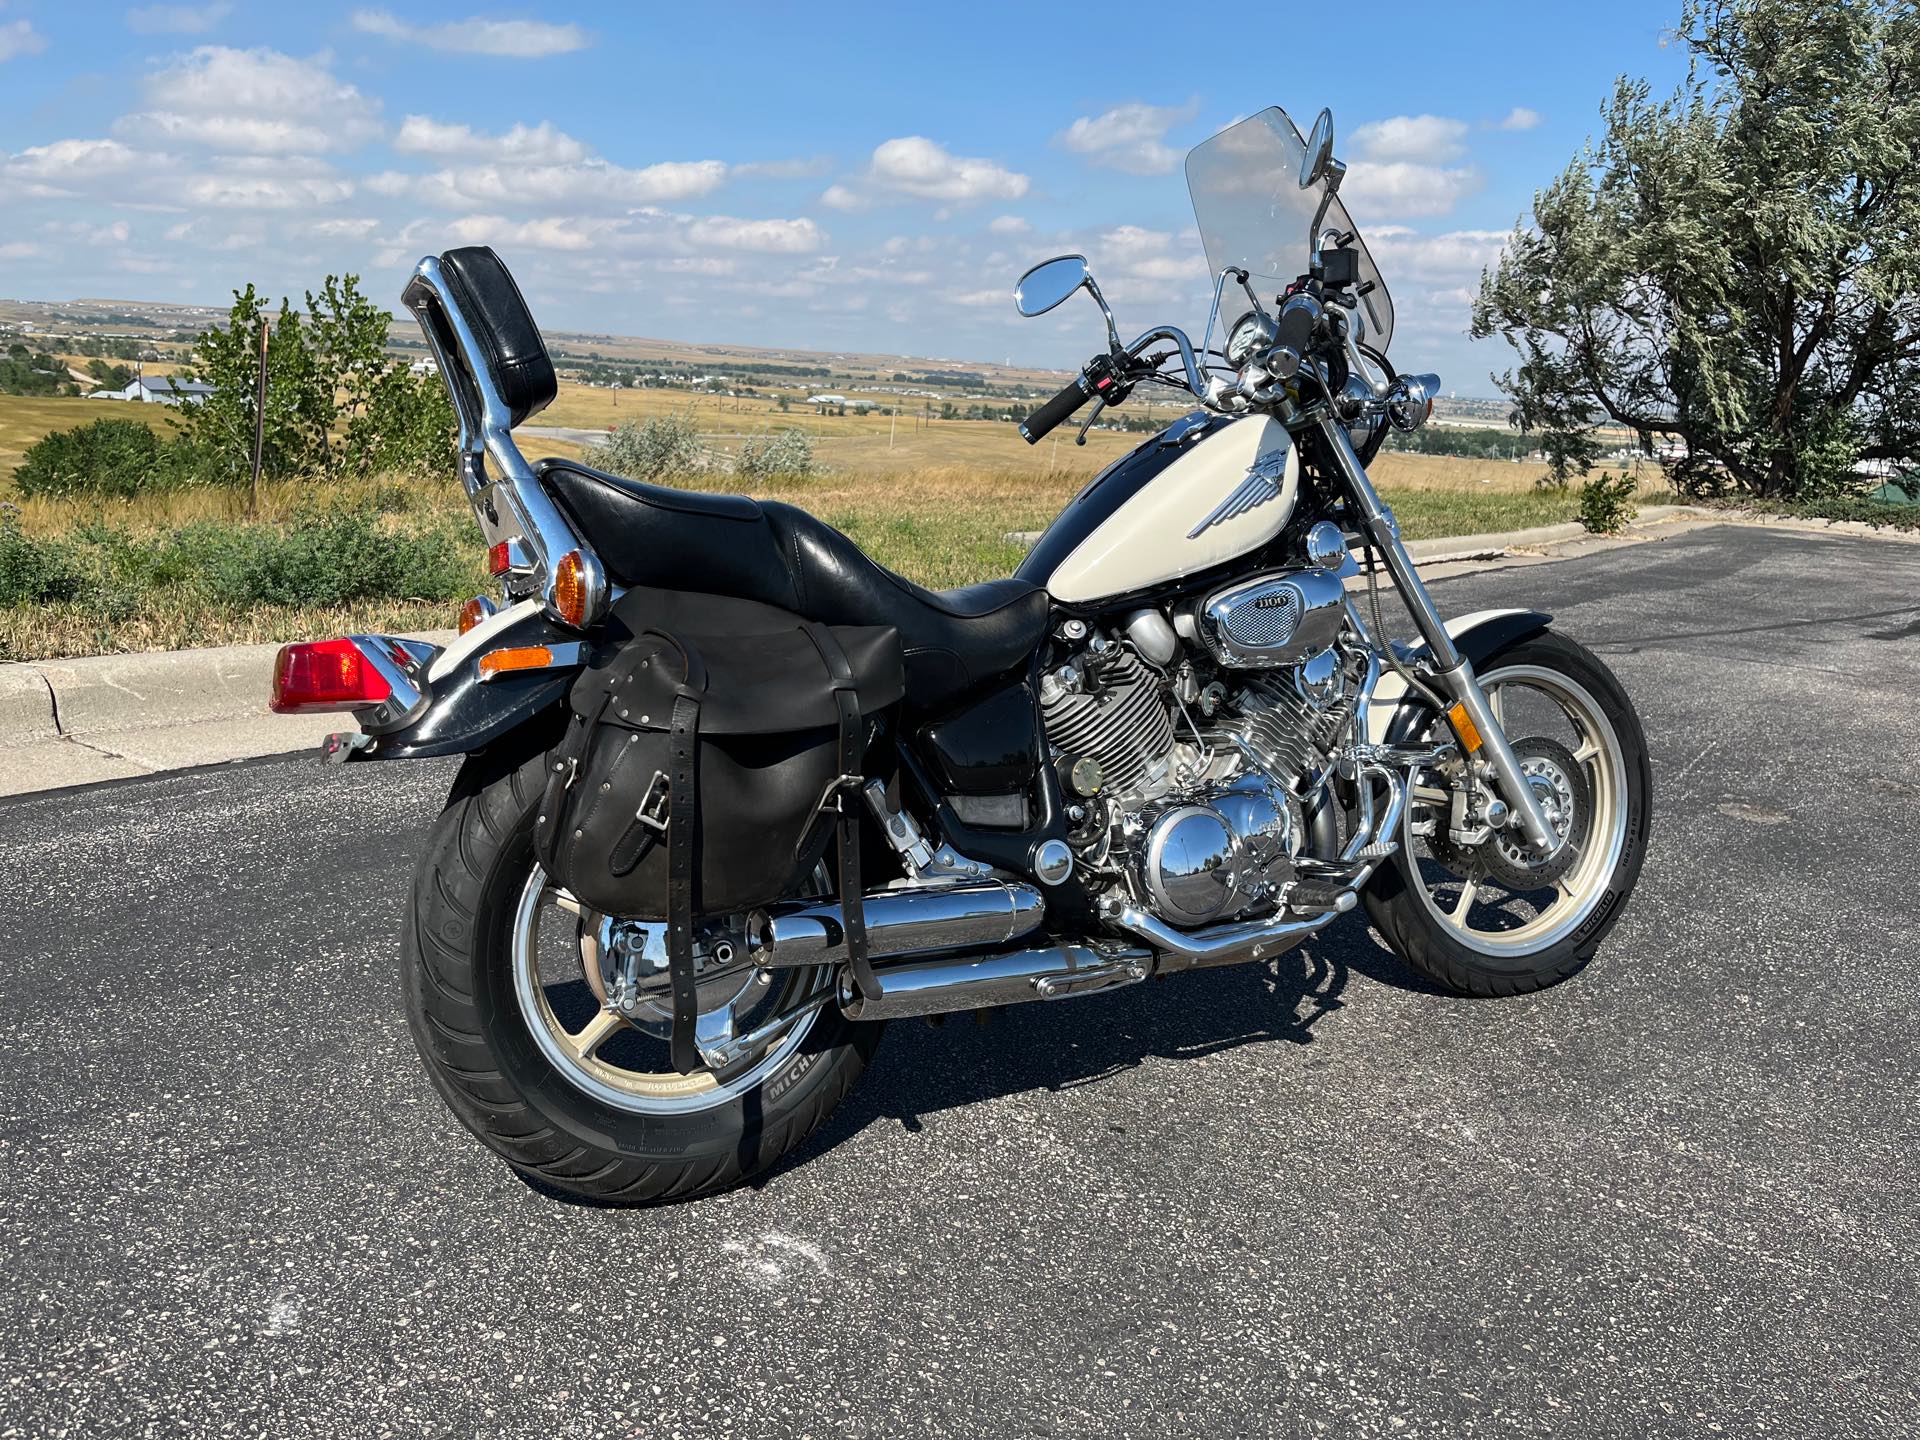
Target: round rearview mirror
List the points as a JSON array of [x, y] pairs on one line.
[[1049, 283], [1319, 154]]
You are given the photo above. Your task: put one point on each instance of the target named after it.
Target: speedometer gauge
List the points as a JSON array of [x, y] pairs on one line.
[[1251, 333]]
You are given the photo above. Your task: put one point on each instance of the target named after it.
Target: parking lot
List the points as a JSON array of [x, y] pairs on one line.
[[1676, 1196]]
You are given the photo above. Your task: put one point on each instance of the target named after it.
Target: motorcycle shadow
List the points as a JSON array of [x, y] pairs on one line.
[[921, 1070]]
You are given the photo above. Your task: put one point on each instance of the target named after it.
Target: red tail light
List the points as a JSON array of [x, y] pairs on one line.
[[325, 675], [499, 559]]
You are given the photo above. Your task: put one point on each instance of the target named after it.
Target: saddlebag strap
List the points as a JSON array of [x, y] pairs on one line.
[[851, 752], [563, 762], [649, 824], [682, 879]]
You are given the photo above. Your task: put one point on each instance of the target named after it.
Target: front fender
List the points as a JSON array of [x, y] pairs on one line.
[[1391, 717], [465, 713]]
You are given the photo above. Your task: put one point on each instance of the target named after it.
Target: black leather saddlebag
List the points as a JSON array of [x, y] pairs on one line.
[[708, 753]]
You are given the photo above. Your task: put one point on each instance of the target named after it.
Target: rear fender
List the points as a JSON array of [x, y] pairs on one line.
[[1393, 718], [465, 713]]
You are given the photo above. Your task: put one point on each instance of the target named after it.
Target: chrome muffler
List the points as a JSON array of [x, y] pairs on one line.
[[983, 982], [909, 921]]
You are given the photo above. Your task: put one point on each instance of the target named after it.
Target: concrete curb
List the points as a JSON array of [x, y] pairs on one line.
[[105, 717]]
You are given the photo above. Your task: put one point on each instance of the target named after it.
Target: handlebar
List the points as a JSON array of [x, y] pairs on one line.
[[1294, 336], [1038, 425]]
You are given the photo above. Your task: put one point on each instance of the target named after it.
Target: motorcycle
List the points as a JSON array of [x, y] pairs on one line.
[[1179, 736]]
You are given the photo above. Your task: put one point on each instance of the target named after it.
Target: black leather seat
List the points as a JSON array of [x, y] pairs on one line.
[[954, 640]]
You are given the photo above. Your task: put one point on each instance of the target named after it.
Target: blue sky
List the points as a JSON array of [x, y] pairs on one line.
[[825, 176]]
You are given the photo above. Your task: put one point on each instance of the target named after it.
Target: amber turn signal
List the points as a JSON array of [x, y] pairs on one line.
[[570, 589], [519, 657], [1464, 727], [476, 611]]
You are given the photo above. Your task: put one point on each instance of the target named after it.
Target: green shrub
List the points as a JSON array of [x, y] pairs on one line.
[[32, 570], [108, 457], [668, 445], [326, 559], [785, 452], [1606, 503]]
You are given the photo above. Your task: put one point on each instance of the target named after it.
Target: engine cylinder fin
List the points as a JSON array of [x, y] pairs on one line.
[[1126, 726]]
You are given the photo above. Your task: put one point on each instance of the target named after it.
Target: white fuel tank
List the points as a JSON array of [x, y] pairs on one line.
[[1155, 517]]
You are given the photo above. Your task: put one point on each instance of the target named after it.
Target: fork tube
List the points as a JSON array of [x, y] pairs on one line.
[[1451, 669]]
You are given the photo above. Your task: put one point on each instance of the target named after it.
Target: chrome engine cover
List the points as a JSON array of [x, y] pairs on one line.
[[1219, 851], [1277, 619]]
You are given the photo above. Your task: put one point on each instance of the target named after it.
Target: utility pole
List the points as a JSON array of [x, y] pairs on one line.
[[259, 423]]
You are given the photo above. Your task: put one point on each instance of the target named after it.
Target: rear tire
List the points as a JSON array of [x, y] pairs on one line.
[[469, 1026], [1502, 962]]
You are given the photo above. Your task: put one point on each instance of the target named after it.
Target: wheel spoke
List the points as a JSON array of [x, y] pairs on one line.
[[1588, 749], [1430, 795], [563, 900], [594, 1034], [1465, 903], [1498, 706]]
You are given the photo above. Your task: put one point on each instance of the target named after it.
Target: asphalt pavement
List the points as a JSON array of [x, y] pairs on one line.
[[1675, 1196]]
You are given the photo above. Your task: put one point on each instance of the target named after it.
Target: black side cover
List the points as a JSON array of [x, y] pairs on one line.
[[511, 347]]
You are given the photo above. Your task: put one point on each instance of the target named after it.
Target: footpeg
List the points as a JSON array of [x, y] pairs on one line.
[[1318, 897]]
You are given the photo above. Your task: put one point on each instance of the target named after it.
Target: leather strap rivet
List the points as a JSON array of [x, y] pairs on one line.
[[623, 714], [578, 833], [645, 718]]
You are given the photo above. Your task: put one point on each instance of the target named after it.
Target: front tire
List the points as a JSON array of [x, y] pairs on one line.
[[1470, 920], [475, 1035]]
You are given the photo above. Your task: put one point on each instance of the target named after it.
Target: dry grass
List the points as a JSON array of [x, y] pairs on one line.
[[937, 506]]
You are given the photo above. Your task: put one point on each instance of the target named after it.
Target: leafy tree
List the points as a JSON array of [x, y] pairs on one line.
[[217, 431], [1736, 267]]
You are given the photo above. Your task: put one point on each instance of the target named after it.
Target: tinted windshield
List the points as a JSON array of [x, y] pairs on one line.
[[1252, 213]]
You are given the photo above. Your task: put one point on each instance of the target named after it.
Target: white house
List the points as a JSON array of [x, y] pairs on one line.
[[161, 390]]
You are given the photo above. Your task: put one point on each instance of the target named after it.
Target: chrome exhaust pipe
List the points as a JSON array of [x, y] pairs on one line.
[[982, 982], [911, 921], [1222, 944]]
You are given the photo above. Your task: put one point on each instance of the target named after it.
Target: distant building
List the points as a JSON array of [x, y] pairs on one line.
[[423, 367], [826, 400], [160, 390]]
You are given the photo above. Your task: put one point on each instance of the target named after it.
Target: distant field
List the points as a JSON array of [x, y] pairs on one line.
[[934, 501], [25, 418]]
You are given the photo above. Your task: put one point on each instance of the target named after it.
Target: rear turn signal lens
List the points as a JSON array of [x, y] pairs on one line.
[[475, 612], [521, 657], [324, 675], [570, 589]]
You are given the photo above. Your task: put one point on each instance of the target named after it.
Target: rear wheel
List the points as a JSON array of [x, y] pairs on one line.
[[1489, 917], [554, 1052]]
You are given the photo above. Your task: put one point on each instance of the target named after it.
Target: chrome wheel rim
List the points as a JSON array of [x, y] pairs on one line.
[[1483, 912], [579, 1050]]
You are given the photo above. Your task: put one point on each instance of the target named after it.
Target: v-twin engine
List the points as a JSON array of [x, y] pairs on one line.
[[1186, 777]]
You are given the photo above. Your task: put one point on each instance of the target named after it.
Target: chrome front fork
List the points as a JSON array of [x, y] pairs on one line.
[[1453, 674]]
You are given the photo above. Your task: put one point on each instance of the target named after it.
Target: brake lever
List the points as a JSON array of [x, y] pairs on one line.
[[1087, 424]]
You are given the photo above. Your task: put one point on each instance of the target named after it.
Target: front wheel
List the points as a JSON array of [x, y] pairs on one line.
[[1484, 916], [509, 1007]]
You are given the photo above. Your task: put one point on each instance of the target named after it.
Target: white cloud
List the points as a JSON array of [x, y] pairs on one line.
[[79, 232], [593, 184], [1402, 190], [255, 183], [1128, 137], [343, 229], [511, 39], [783, 237], [18, 37], [1519, 118], [914, 165], [259, 101], [66, 168], [534, 144], [21, 250], [840, 197], [1428, 139], [1008, 225], [1406, 257], [177, 19], [810, 167]]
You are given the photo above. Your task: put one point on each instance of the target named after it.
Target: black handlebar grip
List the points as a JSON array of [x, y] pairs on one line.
[[1295, 330], [1036, 426]]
